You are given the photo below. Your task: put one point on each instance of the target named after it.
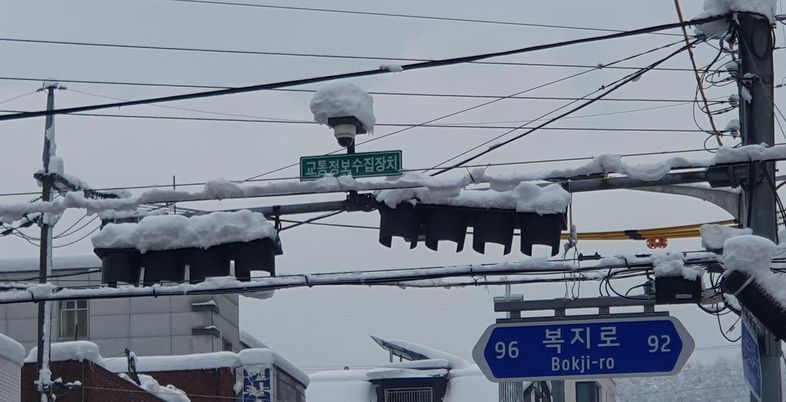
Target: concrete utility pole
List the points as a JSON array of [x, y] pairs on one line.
[[45, 260], [757, 127]]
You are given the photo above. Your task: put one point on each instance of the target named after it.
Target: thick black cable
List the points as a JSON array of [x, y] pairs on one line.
[[630, 78], [365, 73], [477, 106]]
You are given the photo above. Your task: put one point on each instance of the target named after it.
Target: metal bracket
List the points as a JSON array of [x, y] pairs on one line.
[[517, 305]]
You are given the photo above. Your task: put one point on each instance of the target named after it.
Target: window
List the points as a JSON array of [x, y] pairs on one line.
[[73, 319], [587, 391], [420, 394], [227, 345]]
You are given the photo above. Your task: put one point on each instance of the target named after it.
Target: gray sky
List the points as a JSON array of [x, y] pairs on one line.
[[329, 327]]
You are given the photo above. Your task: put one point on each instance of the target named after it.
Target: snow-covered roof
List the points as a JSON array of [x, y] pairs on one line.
[[340, 385], [74, 350], [464, 385], [11, 350], [252, 341], [206, 361], [26, 264], [390, 373], [413, 349]]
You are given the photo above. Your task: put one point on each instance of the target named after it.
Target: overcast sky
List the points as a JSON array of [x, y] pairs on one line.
[[321, 328]]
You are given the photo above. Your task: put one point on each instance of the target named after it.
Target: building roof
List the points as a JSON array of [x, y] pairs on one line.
[[28, 264], [465, 381]]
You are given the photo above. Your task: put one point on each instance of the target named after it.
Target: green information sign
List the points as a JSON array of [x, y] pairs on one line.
[[364, 164]]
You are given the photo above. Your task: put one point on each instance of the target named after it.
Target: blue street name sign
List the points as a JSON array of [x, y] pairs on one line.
[[751, 360], [610, 346]]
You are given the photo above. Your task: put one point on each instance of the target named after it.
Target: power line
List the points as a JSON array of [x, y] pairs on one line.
[[470, 126], [396, 15], [407, 67], [619, 84], [265, 119], [477, 106], [381, 93], [306, 54]]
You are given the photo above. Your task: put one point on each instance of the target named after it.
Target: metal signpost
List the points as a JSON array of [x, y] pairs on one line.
[[364, 164], [751, 360], [583, 347]]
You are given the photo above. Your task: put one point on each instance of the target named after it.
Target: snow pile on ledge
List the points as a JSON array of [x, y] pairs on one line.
[[525, 197], [75, 350], [750, 254], [714, 236], [343, 99], [76, 261], [11, 350], [170, 393], [168, 232], [712, 8], [674, 265]]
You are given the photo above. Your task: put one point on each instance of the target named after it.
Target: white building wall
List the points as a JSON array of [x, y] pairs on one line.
[[10, 381], [146, 326]]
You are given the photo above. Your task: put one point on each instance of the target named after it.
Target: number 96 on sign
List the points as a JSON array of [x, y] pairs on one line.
[[592, 348]]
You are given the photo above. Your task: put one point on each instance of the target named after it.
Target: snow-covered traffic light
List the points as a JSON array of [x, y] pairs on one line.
[[435, 223], [163, 248], [538, 212]]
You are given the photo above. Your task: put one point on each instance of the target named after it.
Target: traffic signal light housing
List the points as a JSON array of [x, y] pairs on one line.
[[124, 265], [435, 223], [756, 299]]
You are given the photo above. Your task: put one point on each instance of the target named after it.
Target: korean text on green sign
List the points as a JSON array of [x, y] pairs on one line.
[[366, 164]]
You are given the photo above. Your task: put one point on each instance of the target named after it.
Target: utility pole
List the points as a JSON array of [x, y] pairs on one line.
[[45, 256], [757, 127]]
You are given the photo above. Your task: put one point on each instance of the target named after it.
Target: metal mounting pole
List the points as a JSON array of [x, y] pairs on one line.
[[45, 255], [757, 127]]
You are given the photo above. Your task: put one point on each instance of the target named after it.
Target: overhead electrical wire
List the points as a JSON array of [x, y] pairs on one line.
[[306, 55], [258, 119], [477, 106], [375, 93], [469, 126], [625, 80], [396, 15], [364, 73]]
